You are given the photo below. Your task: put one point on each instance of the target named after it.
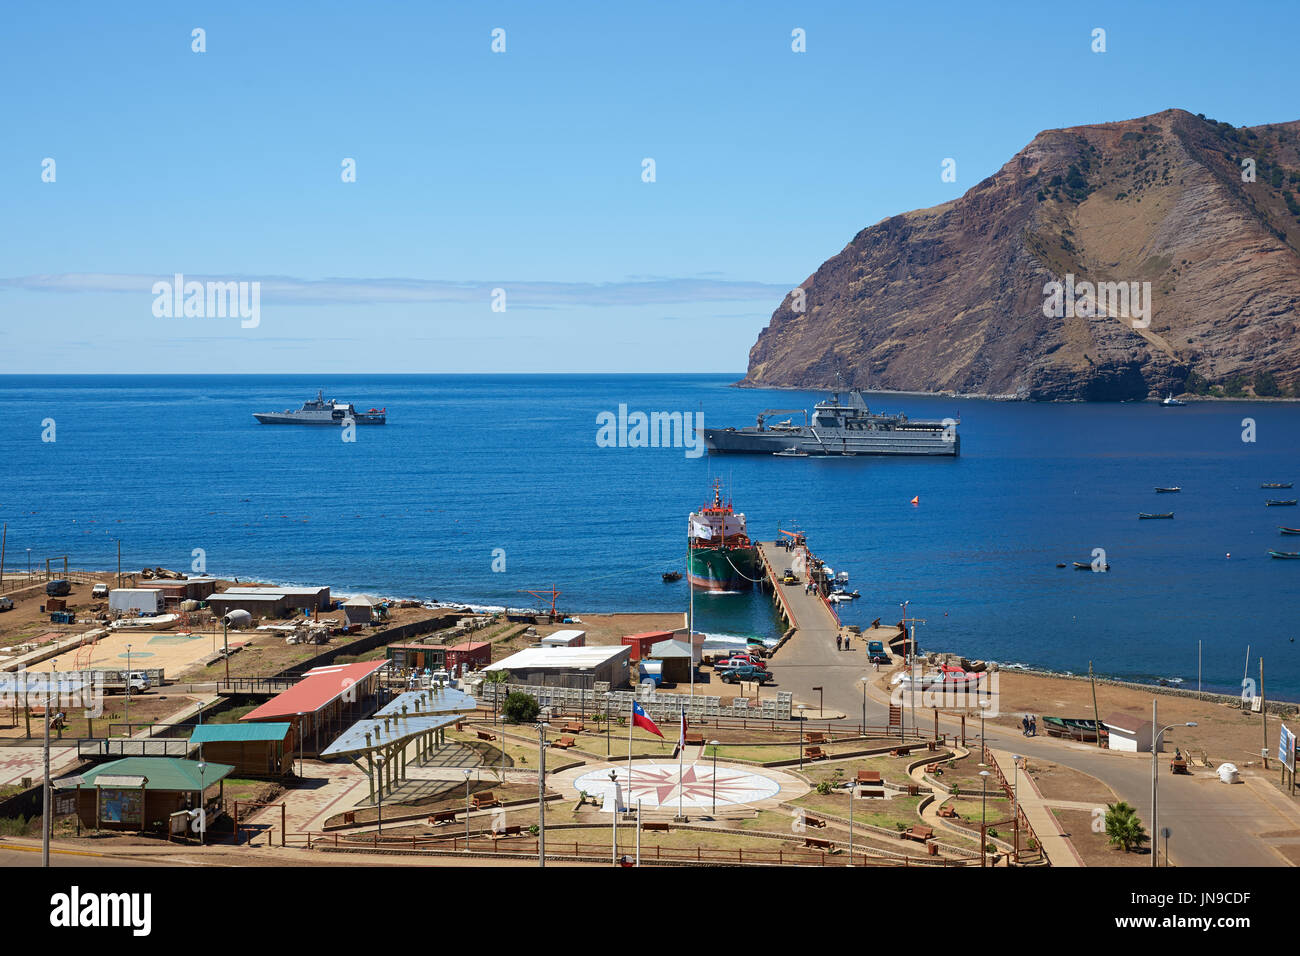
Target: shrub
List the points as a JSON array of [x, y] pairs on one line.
[[1123, 828], [520, 708]]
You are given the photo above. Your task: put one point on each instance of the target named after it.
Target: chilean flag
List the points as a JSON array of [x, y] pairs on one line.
[[639, 719]]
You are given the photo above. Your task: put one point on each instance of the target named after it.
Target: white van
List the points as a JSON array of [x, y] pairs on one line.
[[99, 591]]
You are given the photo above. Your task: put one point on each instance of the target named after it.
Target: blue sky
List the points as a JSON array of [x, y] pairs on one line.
[[523, 170]]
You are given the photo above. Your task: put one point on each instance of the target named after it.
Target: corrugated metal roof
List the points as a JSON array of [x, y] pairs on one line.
[[561, 658], [447, 700], [318, 687], [222, 733], [375, 732], [161, 773]]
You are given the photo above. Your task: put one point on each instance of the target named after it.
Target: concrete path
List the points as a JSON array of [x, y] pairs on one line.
[[1059, 850]]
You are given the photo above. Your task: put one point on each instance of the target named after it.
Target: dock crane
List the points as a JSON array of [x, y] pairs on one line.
[[763, 415], [542, 595]]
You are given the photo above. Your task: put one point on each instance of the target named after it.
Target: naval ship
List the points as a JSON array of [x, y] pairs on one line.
[[319, 411], [838, 429], [720, 555]]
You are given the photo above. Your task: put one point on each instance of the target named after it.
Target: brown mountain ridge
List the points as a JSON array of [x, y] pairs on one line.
[[955, 298]]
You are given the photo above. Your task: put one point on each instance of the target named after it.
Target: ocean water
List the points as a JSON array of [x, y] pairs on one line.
[[472, 464]]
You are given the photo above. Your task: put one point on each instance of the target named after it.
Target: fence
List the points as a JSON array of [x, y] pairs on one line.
[[255, 685], [145, 747], [1023, 820], [523, 847], [658, 705]]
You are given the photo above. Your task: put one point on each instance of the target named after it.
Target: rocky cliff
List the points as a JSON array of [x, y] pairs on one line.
[[960, 297]]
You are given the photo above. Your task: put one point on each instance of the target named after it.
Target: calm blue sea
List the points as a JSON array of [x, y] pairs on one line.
[[469, 464]]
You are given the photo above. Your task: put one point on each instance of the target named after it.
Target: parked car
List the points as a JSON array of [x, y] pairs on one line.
[[6, 604], [876, 653], [58, 588], [740, 660], [788, 577], [99, 590], [747, 672]]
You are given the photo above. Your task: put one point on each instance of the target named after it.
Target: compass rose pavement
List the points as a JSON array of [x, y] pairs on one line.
[[659, 784]]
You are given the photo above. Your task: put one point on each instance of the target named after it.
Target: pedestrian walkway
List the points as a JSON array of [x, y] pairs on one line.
[[1059, 850]]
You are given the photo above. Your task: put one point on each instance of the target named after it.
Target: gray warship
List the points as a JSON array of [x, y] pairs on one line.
[[837, 429], [320, 411]]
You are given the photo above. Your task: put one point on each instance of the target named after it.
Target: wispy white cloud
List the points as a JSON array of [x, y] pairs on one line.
[[289, 290]]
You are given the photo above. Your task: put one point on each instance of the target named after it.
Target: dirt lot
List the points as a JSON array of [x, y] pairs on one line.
[[1225, 731], [145, 708], [1055, 782], [1094, 847]]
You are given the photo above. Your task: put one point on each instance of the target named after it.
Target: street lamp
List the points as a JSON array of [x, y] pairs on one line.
[[714, 745], [203, 805], [1015, 797], [613, 842], [128, 690], [984, 781], [608, 697], [864, 681], [379, 791], [1155, 776], [466, 771], [801, 719], [541, 792]]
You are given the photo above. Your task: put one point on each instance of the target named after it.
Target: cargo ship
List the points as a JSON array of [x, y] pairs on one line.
[[720, 555]]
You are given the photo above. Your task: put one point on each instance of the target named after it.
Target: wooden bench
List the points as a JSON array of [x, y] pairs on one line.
[[932, 745], [573, 727], [815, 753], [441, 817], [900, 751], [650, 825], [484, 735], [512, 830], [917, 833], [564, 743], [695, 740], [869, 778], [815, 822], [817, 738], [813, 843], [485, 799], [948, 813], [934, 768]]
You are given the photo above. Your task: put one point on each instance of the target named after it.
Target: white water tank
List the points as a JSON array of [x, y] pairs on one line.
[[237, 619]]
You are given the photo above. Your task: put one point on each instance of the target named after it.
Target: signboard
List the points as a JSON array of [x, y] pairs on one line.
[[1286, 748], [120, 806]]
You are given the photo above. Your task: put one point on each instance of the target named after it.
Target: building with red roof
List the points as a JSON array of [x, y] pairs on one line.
[[325, 702]]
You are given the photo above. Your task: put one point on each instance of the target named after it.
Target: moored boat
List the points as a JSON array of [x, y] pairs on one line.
[[1079, 566], [1289, 530], [1277, 484], [1167, 514], [671, 576], [1169, 491], [1292, 555], [720, 555], [1279, 503]]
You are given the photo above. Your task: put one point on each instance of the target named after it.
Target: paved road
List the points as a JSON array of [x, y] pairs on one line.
[[1213, 824]]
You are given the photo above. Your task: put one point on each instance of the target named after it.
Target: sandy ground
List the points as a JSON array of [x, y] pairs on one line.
[[1226, 732]]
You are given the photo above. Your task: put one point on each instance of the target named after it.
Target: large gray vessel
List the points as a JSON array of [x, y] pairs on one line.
[[838, 429], [321, 411]]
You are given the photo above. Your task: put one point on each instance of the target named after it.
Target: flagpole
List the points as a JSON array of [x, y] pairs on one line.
[[681, 751], [690, 617]]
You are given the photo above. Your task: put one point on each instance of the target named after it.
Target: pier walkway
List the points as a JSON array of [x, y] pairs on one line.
[[809, 659]]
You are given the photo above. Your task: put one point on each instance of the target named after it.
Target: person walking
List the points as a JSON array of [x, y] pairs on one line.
[[1024, 726], [1033, 726], [838, 643]]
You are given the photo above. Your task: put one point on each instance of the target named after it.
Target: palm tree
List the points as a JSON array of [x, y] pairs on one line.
[[1123, 826]]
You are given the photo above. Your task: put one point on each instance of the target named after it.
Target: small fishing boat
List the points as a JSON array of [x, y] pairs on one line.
[[1277, 484], [1169, 491], [671, 576], [1079, 566], [1167, 514], [1170, 402], [1293, 555], [791, 452], [1279, 503], [1289, 530], [1062, 564]]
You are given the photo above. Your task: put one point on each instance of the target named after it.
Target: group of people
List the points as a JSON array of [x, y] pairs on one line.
[[1029, 725], [842, 642]]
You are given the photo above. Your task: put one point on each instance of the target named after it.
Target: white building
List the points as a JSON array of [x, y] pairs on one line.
[[128, 600], [1128, 732]]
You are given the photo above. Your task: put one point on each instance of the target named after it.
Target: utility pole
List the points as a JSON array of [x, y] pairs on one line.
[[1096, 714], [1263, 712], [541, 795], [45, 790], [119, 562]]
